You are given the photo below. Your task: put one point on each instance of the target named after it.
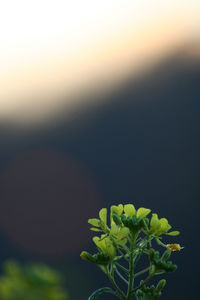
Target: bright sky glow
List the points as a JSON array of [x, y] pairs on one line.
[[51, 46]]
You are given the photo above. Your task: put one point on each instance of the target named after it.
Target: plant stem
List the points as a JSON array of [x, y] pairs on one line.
[[137, 257], [122, 267], [112, 270], [131, 269], [118, 291], [160, 243], [120, 251], [141, 272], [120, 275], [124, 255]]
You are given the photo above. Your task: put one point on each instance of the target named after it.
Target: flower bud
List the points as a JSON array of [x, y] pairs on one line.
[[116, 219], [161, 284], [85, 255], [166, 255]]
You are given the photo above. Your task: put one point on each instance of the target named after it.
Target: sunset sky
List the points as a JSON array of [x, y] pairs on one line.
[[54, 48]]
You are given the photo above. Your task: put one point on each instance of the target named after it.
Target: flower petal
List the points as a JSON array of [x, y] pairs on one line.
[[129, 210], [120, 209], [114, 229], [96, 240], [154, 224], [94, 222], [103, 215], [109, 248], [124, 232], [95, 229], [164, 226], [142, 212]]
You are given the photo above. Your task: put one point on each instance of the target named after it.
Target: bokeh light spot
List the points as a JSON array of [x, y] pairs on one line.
[[46, 199]]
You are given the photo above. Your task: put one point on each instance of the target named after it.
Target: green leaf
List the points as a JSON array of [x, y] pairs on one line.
[[98, 292]]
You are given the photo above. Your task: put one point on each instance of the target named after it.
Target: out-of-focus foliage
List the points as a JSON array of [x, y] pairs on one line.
[[31, 282]]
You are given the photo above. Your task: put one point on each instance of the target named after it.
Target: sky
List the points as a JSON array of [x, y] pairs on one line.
[[55, 48]]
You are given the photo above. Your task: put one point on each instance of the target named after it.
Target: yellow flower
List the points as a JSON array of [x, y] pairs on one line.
[[118, 209], [105, 245], [119, 234], [101, 223], [130, 211], [161, 226], [174, 247]]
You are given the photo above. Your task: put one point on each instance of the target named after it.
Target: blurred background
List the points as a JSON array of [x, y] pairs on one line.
[[99, 105]]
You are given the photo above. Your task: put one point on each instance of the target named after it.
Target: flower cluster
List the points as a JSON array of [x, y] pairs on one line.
[[125, 219], [126, 237]]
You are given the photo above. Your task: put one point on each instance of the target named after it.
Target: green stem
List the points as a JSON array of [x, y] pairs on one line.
[[141, 272], [120, 251], [119, 293], [131, 269], [137, 257], [160, 243], [120, 275], [112, 270], [122, 267], [144, 242], [124, 255]]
